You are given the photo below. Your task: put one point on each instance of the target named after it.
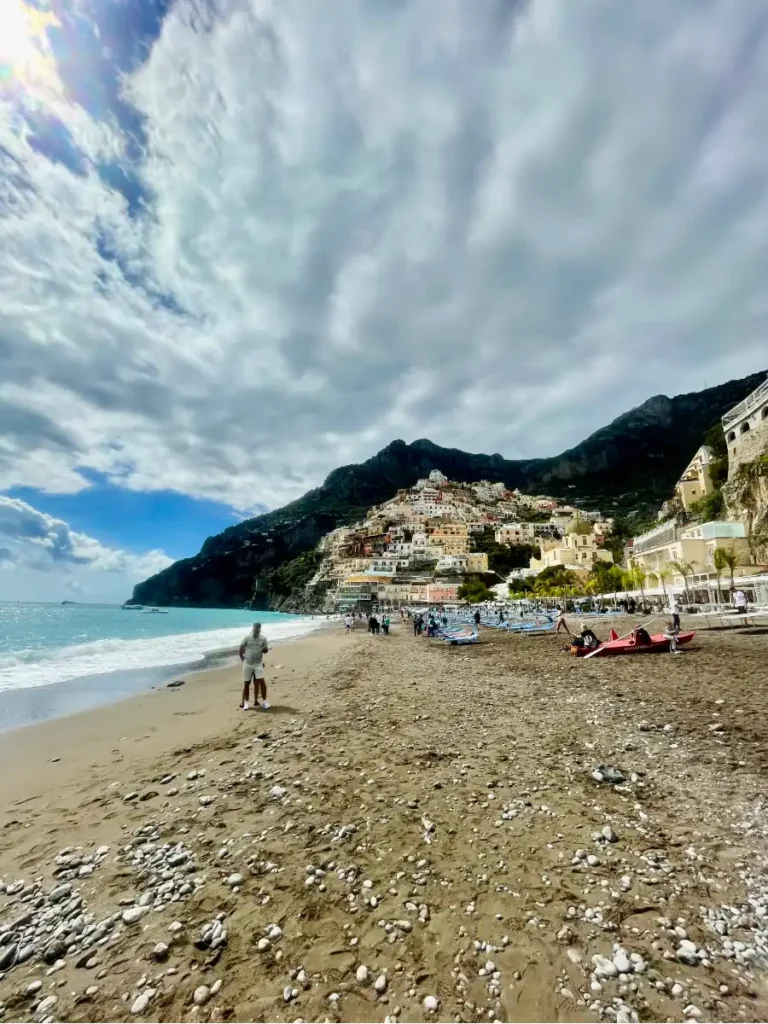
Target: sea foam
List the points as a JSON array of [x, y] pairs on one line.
[[21, 669]]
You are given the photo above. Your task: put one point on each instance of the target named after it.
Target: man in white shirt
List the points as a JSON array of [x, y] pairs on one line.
[[674, 607], [252, 650], [740, 600]]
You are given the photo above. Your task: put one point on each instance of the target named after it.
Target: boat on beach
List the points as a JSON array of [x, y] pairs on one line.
[[659, 642]]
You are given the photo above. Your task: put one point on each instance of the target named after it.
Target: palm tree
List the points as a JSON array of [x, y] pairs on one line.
[[729, 560], [685, 569], [719, 562], [664, 573], [616, 581]]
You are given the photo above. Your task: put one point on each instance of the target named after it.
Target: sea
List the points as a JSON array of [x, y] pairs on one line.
[[58, 659]]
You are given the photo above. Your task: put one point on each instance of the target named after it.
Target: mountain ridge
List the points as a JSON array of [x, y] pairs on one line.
[[634, 461]]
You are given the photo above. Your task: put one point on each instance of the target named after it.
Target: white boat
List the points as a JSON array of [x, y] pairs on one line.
[[155, 611]]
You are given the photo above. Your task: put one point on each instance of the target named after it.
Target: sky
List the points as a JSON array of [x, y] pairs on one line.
[[243, 242]]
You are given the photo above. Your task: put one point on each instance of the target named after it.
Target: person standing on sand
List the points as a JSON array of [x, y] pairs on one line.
[[252, 650], [674, 607], [561, 622], [348, 623]]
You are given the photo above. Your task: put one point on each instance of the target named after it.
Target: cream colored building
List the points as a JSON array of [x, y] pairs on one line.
[[515, 533], [746, 428], [696, 481], [574, 551], [694, 545]]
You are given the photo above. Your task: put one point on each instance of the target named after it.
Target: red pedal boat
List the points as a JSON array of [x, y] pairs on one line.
[[659, 642]]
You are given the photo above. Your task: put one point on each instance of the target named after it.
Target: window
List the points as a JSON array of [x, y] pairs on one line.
[[744, 427], [732, 436], [764, 413]]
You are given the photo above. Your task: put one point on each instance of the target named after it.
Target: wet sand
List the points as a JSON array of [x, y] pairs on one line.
[[419, 822]]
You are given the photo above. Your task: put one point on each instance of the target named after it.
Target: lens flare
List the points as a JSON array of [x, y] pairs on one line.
[[25, 57]]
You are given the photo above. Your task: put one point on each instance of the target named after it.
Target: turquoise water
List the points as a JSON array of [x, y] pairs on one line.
[[42, 644]]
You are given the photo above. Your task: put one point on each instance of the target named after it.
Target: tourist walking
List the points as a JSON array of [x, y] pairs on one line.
[[252, 650], [348, 623], [740, 600], [561, 623]]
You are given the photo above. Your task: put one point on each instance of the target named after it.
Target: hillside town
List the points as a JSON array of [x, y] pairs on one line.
[[423, 545]]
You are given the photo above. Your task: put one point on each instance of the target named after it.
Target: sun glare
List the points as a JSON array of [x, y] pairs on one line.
[[23, 43]]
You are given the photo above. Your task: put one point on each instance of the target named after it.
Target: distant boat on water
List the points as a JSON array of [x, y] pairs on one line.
[[67, 602], [155, 611], [132, 608]]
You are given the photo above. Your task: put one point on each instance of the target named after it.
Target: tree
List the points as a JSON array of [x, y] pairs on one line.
[[664, 573], [474, 591], [726, 558], [634, 579], [685, 569]]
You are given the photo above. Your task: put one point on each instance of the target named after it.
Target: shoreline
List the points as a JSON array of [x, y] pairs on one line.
[[145, 724], [31, 705]]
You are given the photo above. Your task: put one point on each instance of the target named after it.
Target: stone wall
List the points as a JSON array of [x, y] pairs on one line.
[[747, 447]]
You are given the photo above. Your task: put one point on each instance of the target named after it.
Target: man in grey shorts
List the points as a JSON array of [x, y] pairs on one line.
[[252, 650]]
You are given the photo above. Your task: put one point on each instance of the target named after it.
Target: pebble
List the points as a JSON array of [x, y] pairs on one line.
[[362, 974], [381, 983], [201, 995], [609, 835], [234, 880], [160, 952], [140, 1003], [431, 1004], [134, 914], [32, 987]]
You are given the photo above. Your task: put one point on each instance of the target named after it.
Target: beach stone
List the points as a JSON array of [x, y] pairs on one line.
[[687, 953], [603, 967], [263, 944], [45, 1006], [381, 983], [32, 987], [622, 963], [609, 835], [216, 987], [431, 1004], [134, 914], [160, 952], [201, 995], [175, 683], [235, 879], [57, 894], [175, 927], [206, 799], [140, 1003], [362, 974], [278, 792], [8, 957]]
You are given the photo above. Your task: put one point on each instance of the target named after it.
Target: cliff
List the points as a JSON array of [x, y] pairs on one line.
[[633, 463]]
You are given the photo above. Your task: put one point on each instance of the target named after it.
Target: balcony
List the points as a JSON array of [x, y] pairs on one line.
[[747, 407]]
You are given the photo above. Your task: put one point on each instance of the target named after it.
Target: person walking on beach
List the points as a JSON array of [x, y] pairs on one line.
[[252, 650], [348, 623], [476, 617], [561, 623], [740, 600]]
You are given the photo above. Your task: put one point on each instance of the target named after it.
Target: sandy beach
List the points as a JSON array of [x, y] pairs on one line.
[[414, 832]]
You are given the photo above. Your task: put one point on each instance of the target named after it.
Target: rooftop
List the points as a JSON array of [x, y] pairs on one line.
[[750, 403]]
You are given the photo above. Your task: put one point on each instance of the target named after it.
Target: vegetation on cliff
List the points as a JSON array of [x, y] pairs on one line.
[[630, 466]]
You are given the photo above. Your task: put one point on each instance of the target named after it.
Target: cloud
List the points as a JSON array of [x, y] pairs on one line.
[[46, 555], [301, 230]]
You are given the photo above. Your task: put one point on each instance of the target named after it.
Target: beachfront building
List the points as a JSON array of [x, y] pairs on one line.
[[696, 480], [574, 551], [442, 593], [667, 543], [746, 428], [515, 533]]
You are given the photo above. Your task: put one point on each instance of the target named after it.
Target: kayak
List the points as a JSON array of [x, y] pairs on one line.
[[659, 642]]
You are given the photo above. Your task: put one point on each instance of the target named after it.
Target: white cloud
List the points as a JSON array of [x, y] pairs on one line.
[[495, 225], [42, 558]]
